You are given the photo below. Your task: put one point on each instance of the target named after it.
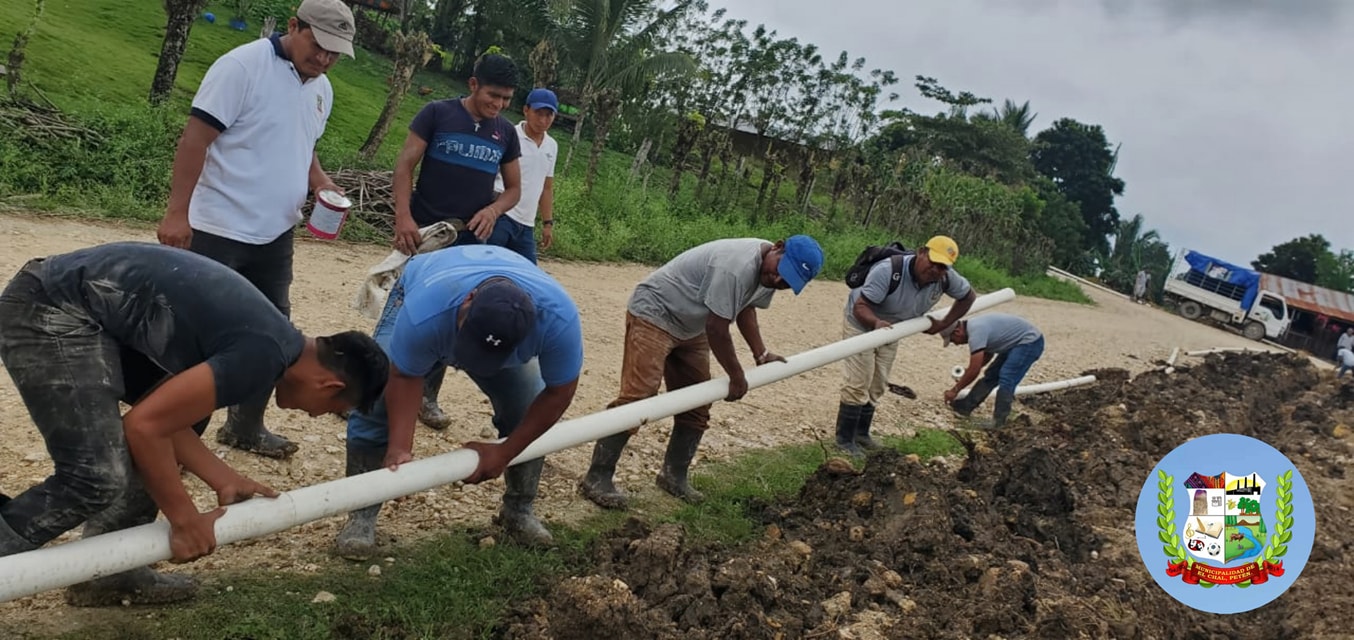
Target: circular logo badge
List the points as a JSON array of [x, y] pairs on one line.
[[1225, 523]]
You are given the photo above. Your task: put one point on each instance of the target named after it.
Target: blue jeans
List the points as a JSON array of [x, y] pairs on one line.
[[514, 235], [1010, 368], [510, 391]]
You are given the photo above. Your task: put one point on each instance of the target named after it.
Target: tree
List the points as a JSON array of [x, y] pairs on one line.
[[181, 15], [411, 51], [1336, 271], [1079, 160], [1296, 259]]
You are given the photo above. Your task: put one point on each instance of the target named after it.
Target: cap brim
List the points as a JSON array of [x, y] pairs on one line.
[[331, 42], [542, 105], [791, 276], [940, 257]]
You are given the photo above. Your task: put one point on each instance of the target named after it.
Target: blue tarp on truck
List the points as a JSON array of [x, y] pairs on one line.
[[1246, 282]]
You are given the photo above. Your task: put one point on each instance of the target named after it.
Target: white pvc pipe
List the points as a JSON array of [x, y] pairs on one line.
[[1045, 387], [1175, 353], [62, 565], [957, 372], [1204, 352]]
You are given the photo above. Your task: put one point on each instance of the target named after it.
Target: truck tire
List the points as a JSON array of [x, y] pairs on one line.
[[1191, 310], [1254, 331]]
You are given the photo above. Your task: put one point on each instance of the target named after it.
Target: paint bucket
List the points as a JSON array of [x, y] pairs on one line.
[[328, 214]]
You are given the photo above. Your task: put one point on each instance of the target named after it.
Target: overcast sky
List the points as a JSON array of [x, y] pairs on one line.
[[1233, 114]]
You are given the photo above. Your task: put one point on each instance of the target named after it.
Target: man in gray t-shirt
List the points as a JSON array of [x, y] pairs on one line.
[[918, 283], [1010, 343], [675, 318]]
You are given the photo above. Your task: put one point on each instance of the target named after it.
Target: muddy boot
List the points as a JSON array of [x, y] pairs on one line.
[[430, 413], [682, 446], [244, 430], [848, 416], [519, 523], [357, 539], [981, 389], [138, 586], [598, 485], [1003, 408], [10, 540], [863, 428]]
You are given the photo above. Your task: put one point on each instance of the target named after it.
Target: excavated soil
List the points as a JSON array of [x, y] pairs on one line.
[[1031, 535]]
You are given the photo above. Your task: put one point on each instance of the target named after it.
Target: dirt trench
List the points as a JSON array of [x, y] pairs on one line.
[[1030, 535]]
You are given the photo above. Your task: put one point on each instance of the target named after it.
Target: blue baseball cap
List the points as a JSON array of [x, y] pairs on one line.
[[543, 99], [803, 259], [500, 317]]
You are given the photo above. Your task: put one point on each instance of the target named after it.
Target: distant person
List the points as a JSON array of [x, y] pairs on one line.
[[174, 335], [514, 330], [1344, 361], [459, 146], [1346, 341], [517, 229], [1010, 343], [675, 318], [920, 282], [245, 162], [1140, 286]]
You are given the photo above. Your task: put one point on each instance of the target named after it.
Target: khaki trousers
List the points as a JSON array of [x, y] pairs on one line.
[[865, 374]]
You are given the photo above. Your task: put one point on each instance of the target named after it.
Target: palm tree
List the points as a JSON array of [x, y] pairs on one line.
[[1134, 250], [180, 16], [1018, 117], [610, 47]]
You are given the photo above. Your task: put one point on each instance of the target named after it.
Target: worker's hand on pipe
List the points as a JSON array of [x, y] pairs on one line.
[[936, 326], [395, 457], [493, 459], [240, 489], [738, 387], [194, 537]]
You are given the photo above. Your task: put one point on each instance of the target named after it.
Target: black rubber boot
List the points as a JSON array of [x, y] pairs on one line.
[[244, 430], [863, 428], [10, 540], [519, 523], [137, 586], [682, 445], [357, 539], [430, 413], [848, 416], [976, 395], [1003, 409], [598, 485]]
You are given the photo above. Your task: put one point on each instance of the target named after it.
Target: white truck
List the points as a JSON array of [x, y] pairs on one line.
[[1204, 287]]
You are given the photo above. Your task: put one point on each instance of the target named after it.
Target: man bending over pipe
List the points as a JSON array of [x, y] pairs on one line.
[[514, 330], [895, 289], [1010, 343], [175, 335], [675, 318]]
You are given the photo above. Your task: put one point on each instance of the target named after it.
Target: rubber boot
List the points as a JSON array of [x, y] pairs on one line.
[[10, 540], [1003, 408], [137, 586], [357, 539], [848, 416], [863, 428], [244, 430], [682, 445], [598, 485], [519, 523], [981, 389], [430, 413]]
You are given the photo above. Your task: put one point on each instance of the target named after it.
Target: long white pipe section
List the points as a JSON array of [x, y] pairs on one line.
[[1029, 389], [62, 565]]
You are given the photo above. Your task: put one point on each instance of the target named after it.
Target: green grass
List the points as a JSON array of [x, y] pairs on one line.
[[447, 587]]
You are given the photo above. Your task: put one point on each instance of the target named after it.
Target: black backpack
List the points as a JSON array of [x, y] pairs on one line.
[[855, 276]]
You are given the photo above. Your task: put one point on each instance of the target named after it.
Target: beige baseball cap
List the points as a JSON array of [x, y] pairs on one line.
[[332, 23]]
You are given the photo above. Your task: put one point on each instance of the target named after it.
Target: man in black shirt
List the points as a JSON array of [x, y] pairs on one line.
[[175, 335]]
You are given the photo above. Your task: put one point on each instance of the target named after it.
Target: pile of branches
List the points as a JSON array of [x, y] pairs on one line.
[[372, 195], [42, 124]]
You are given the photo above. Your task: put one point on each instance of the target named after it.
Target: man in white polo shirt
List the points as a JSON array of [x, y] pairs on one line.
[[517, 229], [245, 163]]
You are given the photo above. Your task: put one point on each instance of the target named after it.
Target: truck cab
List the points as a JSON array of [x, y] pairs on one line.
[[1268, 318]]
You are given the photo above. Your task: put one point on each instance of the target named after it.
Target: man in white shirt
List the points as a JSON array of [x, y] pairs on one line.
[[516, 230], [1346, 341], [245, 163]]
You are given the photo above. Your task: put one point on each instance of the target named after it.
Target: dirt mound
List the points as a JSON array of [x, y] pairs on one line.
[[1031, 535]]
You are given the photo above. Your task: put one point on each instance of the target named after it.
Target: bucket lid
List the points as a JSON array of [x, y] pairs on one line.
[[334, 199]]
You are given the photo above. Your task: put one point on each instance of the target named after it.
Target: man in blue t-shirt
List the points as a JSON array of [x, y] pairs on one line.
[[174, 335], [1011, 343], [460, 146], [514, 330]]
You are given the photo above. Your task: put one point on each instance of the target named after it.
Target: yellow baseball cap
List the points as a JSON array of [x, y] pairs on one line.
[[942, 249]]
